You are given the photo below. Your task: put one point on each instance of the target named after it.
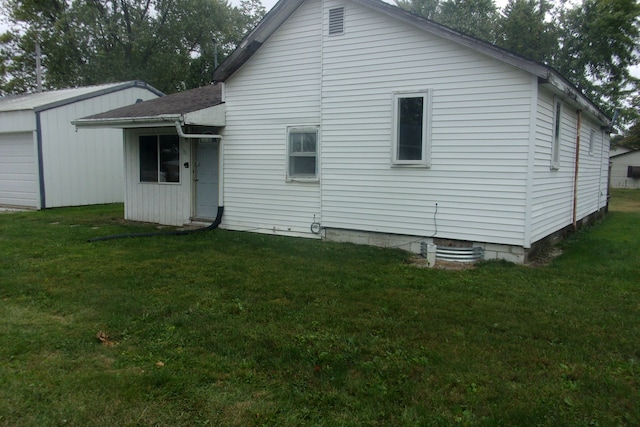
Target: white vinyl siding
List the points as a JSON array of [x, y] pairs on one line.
[[479, 135], [619, 168], [277, 88], [156, 202], [552, 194]]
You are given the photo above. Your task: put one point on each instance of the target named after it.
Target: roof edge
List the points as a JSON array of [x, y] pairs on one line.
[[105, 91], [129, 122]]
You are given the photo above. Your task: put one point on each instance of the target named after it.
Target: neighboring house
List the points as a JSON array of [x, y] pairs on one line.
[[356, 121], [625, 167], [44, 163]]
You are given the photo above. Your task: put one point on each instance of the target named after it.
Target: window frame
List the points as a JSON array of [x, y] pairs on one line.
[[556, 133], [158, 155], [425, 161], [592, 141], [298, 129]]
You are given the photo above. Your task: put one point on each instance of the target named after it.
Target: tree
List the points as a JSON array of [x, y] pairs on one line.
[[473, 17], [523, 28], [426, 8], [598, 44], [168, 44]]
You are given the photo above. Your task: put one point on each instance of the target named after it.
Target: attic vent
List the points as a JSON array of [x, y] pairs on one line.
[[336, 21]]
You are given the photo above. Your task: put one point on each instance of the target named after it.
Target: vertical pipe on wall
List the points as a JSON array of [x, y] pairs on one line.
[[575, 172]]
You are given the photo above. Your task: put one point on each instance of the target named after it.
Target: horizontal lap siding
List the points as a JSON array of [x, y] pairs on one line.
[[168, 204], [480, 133], [278, 87], [552, 207]]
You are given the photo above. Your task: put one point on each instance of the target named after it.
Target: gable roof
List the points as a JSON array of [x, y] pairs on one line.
[[42, 101], [621, 150], [285, 8], [169, 108]]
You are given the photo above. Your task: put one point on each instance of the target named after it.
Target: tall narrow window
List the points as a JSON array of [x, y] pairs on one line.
[[592, 141], [336, 21], [159, 158], [411, 128], [557, 128], [302, 152]]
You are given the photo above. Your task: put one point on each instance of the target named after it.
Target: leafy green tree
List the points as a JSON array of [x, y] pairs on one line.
[[473, 17], [426, 8], [523, 28], [166, 43], [598, 45]]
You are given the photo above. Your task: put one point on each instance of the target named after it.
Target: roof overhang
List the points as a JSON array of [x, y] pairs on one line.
[[212, 116]]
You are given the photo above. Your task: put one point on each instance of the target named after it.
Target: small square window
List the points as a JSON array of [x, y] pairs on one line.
[[159, 158], [411, 128], [302, 153]]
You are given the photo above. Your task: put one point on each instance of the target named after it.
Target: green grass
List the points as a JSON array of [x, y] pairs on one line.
[[264, 330]]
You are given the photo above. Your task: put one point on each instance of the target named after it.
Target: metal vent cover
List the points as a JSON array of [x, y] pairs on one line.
[[446, 253], [336, 21]]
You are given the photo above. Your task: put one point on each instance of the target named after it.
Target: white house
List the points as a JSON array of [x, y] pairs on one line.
[[625, 167], [353, 120], [44, 163]]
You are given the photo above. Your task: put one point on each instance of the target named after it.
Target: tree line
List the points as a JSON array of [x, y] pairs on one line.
[[593, 43], [173, 44]]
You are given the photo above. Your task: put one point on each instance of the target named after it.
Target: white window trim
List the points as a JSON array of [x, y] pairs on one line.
[[303, 128], [556, 137], [592, 141], [158, 134], [426, 94]]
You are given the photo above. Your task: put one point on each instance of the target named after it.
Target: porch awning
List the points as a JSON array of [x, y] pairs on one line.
[[202, 106]]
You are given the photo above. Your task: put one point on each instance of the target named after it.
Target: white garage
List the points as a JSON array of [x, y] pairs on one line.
[[45, 163]]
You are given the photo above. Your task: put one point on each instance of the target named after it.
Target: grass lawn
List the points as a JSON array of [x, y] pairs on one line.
[[223, 328]]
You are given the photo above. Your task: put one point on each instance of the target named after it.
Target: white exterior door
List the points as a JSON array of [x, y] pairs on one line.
[[206, 176], [18, 166]]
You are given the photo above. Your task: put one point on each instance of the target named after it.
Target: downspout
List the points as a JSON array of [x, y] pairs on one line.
[[575, 172], [43, 201]]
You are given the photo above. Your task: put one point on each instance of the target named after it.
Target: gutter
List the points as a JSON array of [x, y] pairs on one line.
[[127, 122]]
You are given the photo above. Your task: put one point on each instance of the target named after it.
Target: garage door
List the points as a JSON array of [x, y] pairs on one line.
[[18, 179]]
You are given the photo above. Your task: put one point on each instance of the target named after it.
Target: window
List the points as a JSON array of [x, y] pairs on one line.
[[633, 172], [592, 140], [336, 21], [302, 150], [557, 128], [411, 113], [159, 158]]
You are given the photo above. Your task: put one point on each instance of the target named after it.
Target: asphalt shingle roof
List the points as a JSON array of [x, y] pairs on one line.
[[174, 104]]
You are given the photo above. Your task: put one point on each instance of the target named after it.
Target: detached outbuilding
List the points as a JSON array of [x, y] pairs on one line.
[[356, 121], [625, 167], [44, 163]]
